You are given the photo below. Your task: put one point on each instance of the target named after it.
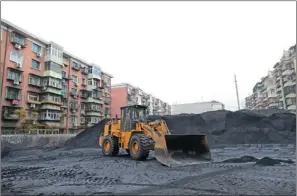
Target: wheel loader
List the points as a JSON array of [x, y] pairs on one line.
[[138, 136]]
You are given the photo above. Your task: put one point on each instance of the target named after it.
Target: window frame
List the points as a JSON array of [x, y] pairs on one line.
[[34, 78], [38, 46], [39, 64], [20, 56], [33, 95], [7, 95], [14, 73]]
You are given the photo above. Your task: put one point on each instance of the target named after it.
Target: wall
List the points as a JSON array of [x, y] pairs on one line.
[[195, 108], [118, 100]]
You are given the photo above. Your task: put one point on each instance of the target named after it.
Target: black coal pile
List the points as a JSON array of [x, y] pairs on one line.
[[221, 127], [88, 137], [243, 159], [240, 127]]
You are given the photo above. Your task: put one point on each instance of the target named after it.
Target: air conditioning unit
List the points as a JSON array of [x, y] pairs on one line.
[[38, 54], [16, 82], [74, 96], [76, 84], [17, 46], [82, 111], [18, 65], [32, 105]]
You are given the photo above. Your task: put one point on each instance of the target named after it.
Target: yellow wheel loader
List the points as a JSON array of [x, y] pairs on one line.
[[138, 136]]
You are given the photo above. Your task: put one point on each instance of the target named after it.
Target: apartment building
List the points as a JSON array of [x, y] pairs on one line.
[[126, 94], [250, 102], [196, 108], [278, 88], [55, 87]]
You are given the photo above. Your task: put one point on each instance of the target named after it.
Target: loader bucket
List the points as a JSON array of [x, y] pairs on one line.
[[182, 149]]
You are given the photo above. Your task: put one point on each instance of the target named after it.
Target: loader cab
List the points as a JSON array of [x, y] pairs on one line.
[[130, 115]]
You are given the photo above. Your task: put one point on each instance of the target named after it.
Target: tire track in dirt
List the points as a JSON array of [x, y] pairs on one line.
[[183, 181]]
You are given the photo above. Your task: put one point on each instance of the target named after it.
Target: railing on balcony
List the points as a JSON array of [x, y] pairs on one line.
[[58, 118], [49, 99], [32, 131]]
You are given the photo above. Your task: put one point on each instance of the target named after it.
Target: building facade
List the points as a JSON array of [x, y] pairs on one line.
[[278, 88], [54, 87], [125, 94], [196, 108]]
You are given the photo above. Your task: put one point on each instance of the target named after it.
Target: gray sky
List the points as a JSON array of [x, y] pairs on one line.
[[178, 51]]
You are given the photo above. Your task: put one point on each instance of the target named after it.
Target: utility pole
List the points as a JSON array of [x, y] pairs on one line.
[[238, 105]]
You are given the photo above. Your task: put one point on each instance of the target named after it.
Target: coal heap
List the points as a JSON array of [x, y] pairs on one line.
[[87, 138], [221, 127]]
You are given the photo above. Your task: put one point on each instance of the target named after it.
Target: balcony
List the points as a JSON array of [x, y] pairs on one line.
[[9, 113], [54, 54], [75, 66], [34, 101], [48, 118], [51, 100], [85, 70], [74, 94], [64, 94], [64, 76], [288, 72], [107, 101], [289, 83]]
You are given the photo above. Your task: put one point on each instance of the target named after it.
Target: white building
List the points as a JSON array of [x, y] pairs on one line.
[[196, 108]]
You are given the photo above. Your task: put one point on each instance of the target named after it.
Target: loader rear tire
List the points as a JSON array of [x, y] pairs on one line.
[[140, 146], [110, 146]]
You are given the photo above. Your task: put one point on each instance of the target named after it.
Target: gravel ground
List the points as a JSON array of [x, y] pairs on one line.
[[83, 171]]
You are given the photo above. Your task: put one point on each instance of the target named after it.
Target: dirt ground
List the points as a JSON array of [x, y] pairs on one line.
[[84, 171]]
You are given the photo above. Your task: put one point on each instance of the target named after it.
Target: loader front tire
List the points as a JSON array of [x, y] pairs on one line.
[[110, 146], [140, 146]]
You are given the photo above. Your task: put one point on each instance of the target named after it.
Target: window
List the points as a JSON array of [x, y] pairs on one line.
[[73, 119], [95, 83], [82, 120], [96, 94], [35, 80], [35, 64], [16, 57], [83, 106], [13, 75], [75, 65], [74, 91], [36, 48], [74, 79], [64, 74], [18, 39], [12, 93], [84, 82], [52, 66], [90, 82], [52, 115], [90, 70], [52, 82], [54, 51], [33, 97]]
